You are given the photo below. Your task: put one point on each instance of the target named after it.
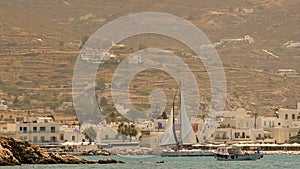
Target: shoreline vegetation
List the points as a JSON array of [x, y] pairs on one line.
[[17, 152]]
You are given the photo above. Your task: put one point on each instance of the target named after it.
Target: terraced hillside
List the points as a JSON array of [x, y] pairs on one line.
[[39, 44]]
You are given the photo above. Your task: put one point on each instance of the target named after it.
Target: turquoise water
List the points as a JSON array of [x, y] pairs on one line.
[[134, 162]]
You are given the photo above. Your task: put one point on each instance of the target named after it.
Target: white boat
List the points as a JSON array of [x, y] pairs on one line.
[[187, 135], [232, 153]]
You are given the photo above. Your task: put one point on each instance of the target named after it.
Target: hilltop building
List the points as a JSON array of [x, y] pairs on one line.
[[2, 106]]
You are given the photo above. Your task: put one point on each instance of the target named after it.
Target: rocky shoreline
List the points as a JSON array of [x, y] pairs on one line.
[[18, 152]]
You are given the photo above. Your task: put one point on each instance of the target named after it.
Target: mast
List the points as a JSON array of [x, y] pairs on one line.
[[180, 113], [173, 121]]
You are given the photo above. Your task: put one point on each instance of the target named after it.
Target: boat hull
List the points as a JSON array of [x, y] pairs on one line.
[[238, 157], [185, 154]]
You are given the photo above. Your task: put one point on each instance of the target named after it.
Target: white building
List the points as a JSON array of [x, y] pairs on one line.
[[238, 126], [136, 59], [288, 124], [2, 106], [43, 130], [152, 141], [72, 134], [289, 117]]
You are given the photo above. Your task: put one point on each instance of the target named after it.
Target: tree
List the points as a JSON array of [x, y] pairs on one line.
[[90, 133], [83, 41], [164, 115], [16, 100], [61, 44], [295, 139], [103, 101], [127, 130]]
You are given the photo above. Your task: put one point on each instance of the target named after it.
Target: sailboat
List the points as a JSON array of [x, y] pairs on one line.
[[187, 134]]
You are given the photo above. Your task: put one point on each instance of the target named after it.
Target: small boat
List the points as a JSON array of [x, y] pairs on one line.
[[233, 153], [187, 135]]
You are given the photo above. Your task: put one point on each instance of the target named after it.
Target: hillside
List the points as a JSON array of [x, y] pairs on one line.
[[39, 44]]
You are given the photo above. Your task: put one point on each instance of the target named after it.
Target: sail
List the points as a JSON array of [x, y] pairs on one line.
[[187, 133], [168, 137]]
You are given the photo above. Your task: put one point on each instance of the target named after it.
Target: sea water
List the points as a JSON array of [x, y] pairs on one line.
[[149, 162]]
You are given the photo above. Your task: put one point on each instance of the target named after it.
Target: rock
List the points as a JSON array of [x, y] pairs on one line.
[[7, 158], [108, 161], [17, 152]]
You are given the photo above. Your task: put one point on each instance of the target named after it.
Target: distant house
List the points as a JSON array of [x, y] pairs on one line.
[[286, 72], [65, 105], [135, 59], [2, 105]]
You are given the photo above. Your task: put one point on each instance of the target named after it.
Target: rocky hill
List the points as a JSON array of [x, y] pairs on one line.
[[39, 43]]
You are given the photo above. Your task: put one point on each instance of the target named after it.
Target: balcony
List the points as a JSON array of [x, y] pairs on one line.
[[259, 138], [34, 131], [241, 138], [221, 138]]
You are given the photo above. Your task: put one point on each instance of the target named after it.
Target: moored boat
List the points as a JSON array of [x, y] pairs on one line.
[[232, 153]]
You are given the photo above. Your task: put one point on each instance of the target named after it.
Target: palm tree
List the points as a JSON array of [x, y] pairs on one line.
[[90, 133], [127, 130]]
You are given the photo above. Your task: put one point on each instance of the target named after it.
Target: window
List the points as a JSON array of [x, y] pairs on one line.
[[21, 128], [61, 136], [236, 135], [224, 136], [243, 135], [116, 137], [286, 116], [34, 129], [53, 139], [52, 129], [293, 116], [42, 139], [73, 138], [35, 139], [265, 123], [42, 129], [25, 138], [24, 129], [106, 137], [270, 124]]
